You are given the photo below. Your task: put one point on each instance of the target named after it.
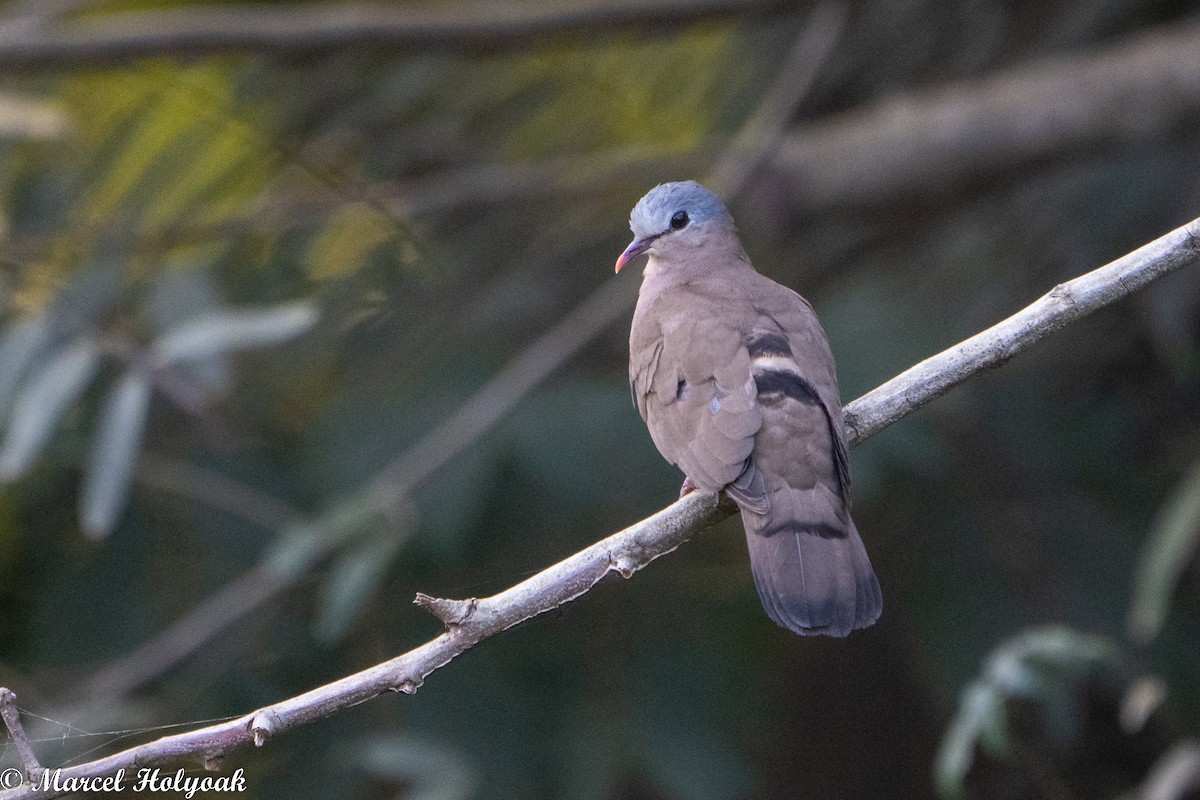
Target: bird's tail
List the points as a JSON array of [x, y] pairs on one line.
[[814, 580]]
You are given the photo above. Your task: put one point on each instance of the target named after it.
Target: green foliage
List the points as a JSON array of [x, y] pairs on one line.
[[624, 92], [164, 144]]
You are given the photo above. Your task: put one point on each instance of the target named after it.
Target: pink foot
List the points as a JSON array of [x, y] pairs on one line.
[[688, 486]]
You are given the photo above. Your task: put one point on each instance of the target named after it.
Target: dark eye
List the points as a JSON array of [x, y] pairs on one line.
[[679, 221]]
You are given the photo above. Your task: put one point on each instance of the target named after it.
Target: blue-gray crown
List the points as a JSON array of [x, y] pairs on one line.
[[653, 213]]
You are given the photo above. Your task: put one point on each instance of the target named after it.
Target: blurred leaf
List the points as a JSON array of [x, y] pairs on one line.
[[295, 550], [625, 92], [1176, 775], [352, 580], [1032, 662], [164, 141], [26, 117], [349, 237], [980, 719], [1141, 700], [18, 346], [42, 400], [222, 172], [209, 334], [181, 294], [114, 453], [426, 770], [1038, 664], [1170, 547], [88, 297], [302, 544]]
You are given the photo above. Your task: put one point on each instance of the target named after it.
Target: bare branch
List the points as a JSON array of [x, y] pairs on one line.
[[471, 621], [307, 27], [623, 552], [1066, 302], [12, 721], [1144, 85]]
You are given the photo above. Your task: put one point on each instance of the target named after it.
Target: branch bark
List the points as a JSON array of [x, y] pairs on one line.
[[1146, 84], [1143, 86], [469, 622], [299, 28]]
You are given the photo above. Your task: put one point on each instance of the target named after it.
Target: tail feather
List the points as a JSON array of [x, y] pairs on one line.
[[812, 580]]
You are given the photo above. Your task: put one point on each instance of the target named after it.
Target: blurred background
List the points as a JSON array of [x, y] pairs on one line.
[[307, 307]]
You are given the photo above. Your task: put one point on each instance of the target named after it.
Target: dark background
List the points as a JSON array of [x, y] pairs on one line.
[[441, 184]]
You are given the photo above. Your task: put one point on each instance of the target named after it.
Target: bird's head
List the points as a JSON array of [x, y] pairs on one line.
[[674, 217]]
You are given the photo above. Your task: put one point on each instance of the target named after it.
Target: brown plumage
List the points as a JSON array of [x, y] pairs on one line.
[[733, 375]]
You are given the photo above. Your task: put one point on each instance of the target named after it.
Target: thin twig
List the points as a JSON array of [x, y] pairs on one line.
[[211, 488], [763, 131], [498, 396], [12, 721], [471, 621]]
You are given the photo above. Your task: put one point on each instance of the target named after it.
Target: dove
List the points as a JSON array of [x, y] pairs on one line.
[[735, 380]]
